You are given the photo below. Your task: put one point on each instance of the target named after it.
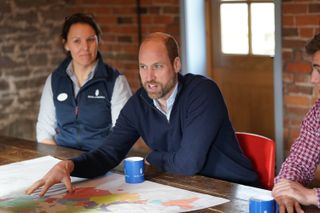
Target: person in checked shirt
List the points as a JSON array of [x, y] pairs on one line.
[[299, 168]]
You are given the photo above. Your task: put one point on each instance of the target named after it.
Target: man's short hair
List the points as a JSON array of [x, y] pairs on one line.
[[313, 45], [168, 40]]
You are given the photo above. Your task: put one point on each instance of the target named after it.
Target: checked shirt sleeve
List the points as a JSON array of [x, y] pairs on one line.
[[304, 155]]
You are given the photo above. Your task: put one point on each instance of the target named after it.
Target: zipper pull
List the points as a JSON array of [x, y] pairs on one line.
[[76, 111]]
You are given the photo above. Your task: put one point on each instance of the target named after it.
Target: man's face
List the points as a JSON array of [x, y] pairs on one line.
[[158, 76]]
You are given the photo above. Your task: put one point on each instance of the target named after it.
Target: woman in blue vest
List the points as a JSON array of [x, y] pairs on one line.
[[82, 98]]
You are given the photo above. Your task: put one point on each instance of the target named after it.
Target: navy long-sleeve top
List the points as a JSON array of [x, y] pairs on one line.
[[197, 139]]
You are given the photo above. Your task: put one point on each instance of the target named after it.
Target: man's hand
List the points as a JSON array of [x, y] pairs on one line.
[[48, 141], [296, 191], [59, 173], [146, 162], [288, 205], [145, 159]]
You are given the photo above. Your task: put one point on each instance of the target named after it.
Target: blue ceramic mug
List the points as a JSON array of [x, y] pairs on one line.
[[134, 169], [262, 205]]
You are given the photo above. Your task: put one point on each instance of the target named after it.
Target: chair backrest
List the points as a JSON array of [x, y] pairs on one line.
[[261, 151]]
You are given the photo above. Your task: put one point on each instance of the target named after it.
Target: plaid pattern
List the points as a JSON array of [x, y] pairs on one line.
[[304, 155]]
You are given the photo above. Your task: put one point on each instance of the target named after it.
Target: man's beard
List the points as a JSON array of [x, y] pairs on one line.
[[163, 91]]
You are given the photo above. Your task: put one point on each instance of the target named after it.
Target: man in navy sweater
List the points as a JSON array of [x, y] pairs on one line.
[[183, 119]]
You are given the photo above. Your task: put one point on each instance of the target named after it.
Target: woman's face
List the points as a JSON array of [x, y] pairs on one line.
[[82, 42]]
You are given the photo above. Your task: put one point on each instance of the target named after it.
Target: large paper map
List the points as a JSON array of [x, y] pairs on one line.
[[111, 194]]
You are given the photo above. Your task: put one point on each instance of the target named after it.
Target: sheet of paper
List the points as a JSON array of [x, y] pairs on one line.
[[110, 193], [15, 178]]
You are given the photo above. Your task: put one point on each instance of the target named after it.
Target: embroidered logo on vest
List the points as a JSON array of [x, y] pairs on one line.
[[97, 95], [62, 97]]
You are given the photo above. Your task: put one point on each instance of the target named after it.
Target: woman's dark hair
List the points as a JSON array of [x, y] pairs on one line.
[[314, 45], [79, 18]]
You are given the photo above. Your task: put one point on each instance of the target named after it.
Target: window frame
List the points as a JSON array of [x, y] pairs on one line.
[[248, 2]]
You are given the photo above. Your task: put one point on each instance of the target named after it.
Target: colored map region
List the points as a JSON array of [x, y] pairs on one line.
[[111, 194]]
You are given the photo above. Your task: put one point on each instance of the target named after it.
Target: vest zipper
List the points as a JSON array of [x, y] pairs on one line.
[[76, 111]]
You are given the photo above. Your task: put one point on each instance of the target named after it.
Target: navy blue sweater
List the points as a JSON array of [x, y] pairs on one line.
[[198, 139]]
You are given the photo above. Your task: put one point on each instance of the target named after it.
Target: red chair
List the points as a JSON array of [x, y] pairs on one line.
[[261, 151]]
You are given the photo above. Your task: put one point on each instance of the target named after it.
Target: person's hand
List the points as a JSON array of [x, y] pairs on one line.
[[59, 173], [296, 191], [288, 205], [145, 159], [48, 141], [146, 162]]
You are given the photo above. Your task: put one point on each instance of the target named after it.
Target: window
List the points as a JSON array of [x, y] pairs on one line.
[[247, 27]]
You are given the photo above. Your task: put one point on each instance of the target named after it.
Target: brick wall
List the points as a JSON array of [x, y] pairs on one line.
[[119, 22], [29, 50], [300, 21], [30, 47]]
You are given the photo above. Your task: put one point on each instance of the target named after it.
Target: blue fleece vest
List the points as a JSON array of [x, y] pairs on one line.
[[84, 121]]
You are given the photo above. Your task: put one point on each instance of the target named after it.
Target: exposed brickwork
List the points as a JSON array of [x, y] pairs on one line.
[[30, 47], [29, 50], [300, 21]]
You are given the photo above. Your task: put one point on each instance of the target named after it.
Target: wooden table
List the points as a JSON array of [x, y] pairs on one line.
[[14, 149]]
